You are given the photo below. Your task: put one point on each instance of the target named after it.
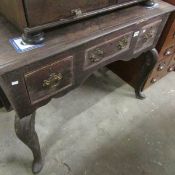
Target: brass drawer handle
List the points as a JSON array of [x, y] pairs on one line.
[[99, 52], [96, 56], [147, 36], [53, 80], [122, 44], [77, 12]]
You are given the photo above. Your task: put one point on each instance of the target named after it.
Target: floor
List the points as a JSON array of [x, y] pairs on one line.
[[99, 129]]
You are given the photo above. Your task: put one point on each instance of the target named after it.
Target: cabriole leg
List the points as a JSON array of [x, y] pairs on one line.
[[150, 60], [25, 131]]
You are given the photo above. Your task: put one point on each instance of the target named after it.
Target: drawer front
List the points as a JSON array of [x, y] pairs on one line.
[[49, 80], [160, 70], [147, 36], [107, 49], [44, 11]]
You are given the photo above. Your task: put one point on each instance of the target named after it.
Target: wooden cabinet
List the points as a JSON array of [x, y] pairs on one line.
[[161, 69], [32, 13], [166, 49], [34, 16], [45, 11]]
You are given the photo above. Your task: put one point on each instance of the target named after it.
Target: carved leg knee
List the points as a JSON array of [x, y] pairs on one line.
[[25, 131]]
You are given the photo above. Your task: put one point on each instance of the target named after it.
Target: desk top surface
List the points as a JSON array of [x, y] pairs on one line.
[[71, 35]]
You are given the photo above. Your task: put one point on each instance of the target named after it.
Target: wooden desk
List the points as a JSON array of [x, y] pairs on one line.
[[70, 55]]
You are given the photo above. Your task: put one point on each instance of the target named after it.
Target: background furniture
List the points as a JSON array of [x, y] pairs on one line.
[[165, 64], [70, 55], [34, 16]]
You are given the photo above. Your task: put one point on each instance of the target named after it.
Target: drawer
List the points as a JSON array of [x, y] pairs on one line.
[[49, 80], [147, 36], [107, 49], [160, 70]]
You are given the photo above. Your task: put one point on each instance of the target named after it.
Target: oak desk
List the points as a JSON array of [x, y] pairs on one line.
[[70, 55]]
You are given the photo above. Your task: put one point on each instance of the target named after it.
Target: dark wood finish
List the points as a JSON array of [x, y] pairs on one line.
[[165, 64], [34, 16], [70, 55]]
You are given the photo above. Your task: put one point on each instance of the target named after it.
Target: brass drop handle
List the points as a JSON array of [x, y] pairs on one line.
[[94, 58], [99, 52], [122, 44], [77, 12], [97, 55], [53, 80], [147, 36]]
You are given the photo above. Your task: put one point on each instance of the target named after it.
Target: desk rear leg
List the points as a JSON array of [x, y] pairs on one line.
[[150, 60], [25, 131]]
